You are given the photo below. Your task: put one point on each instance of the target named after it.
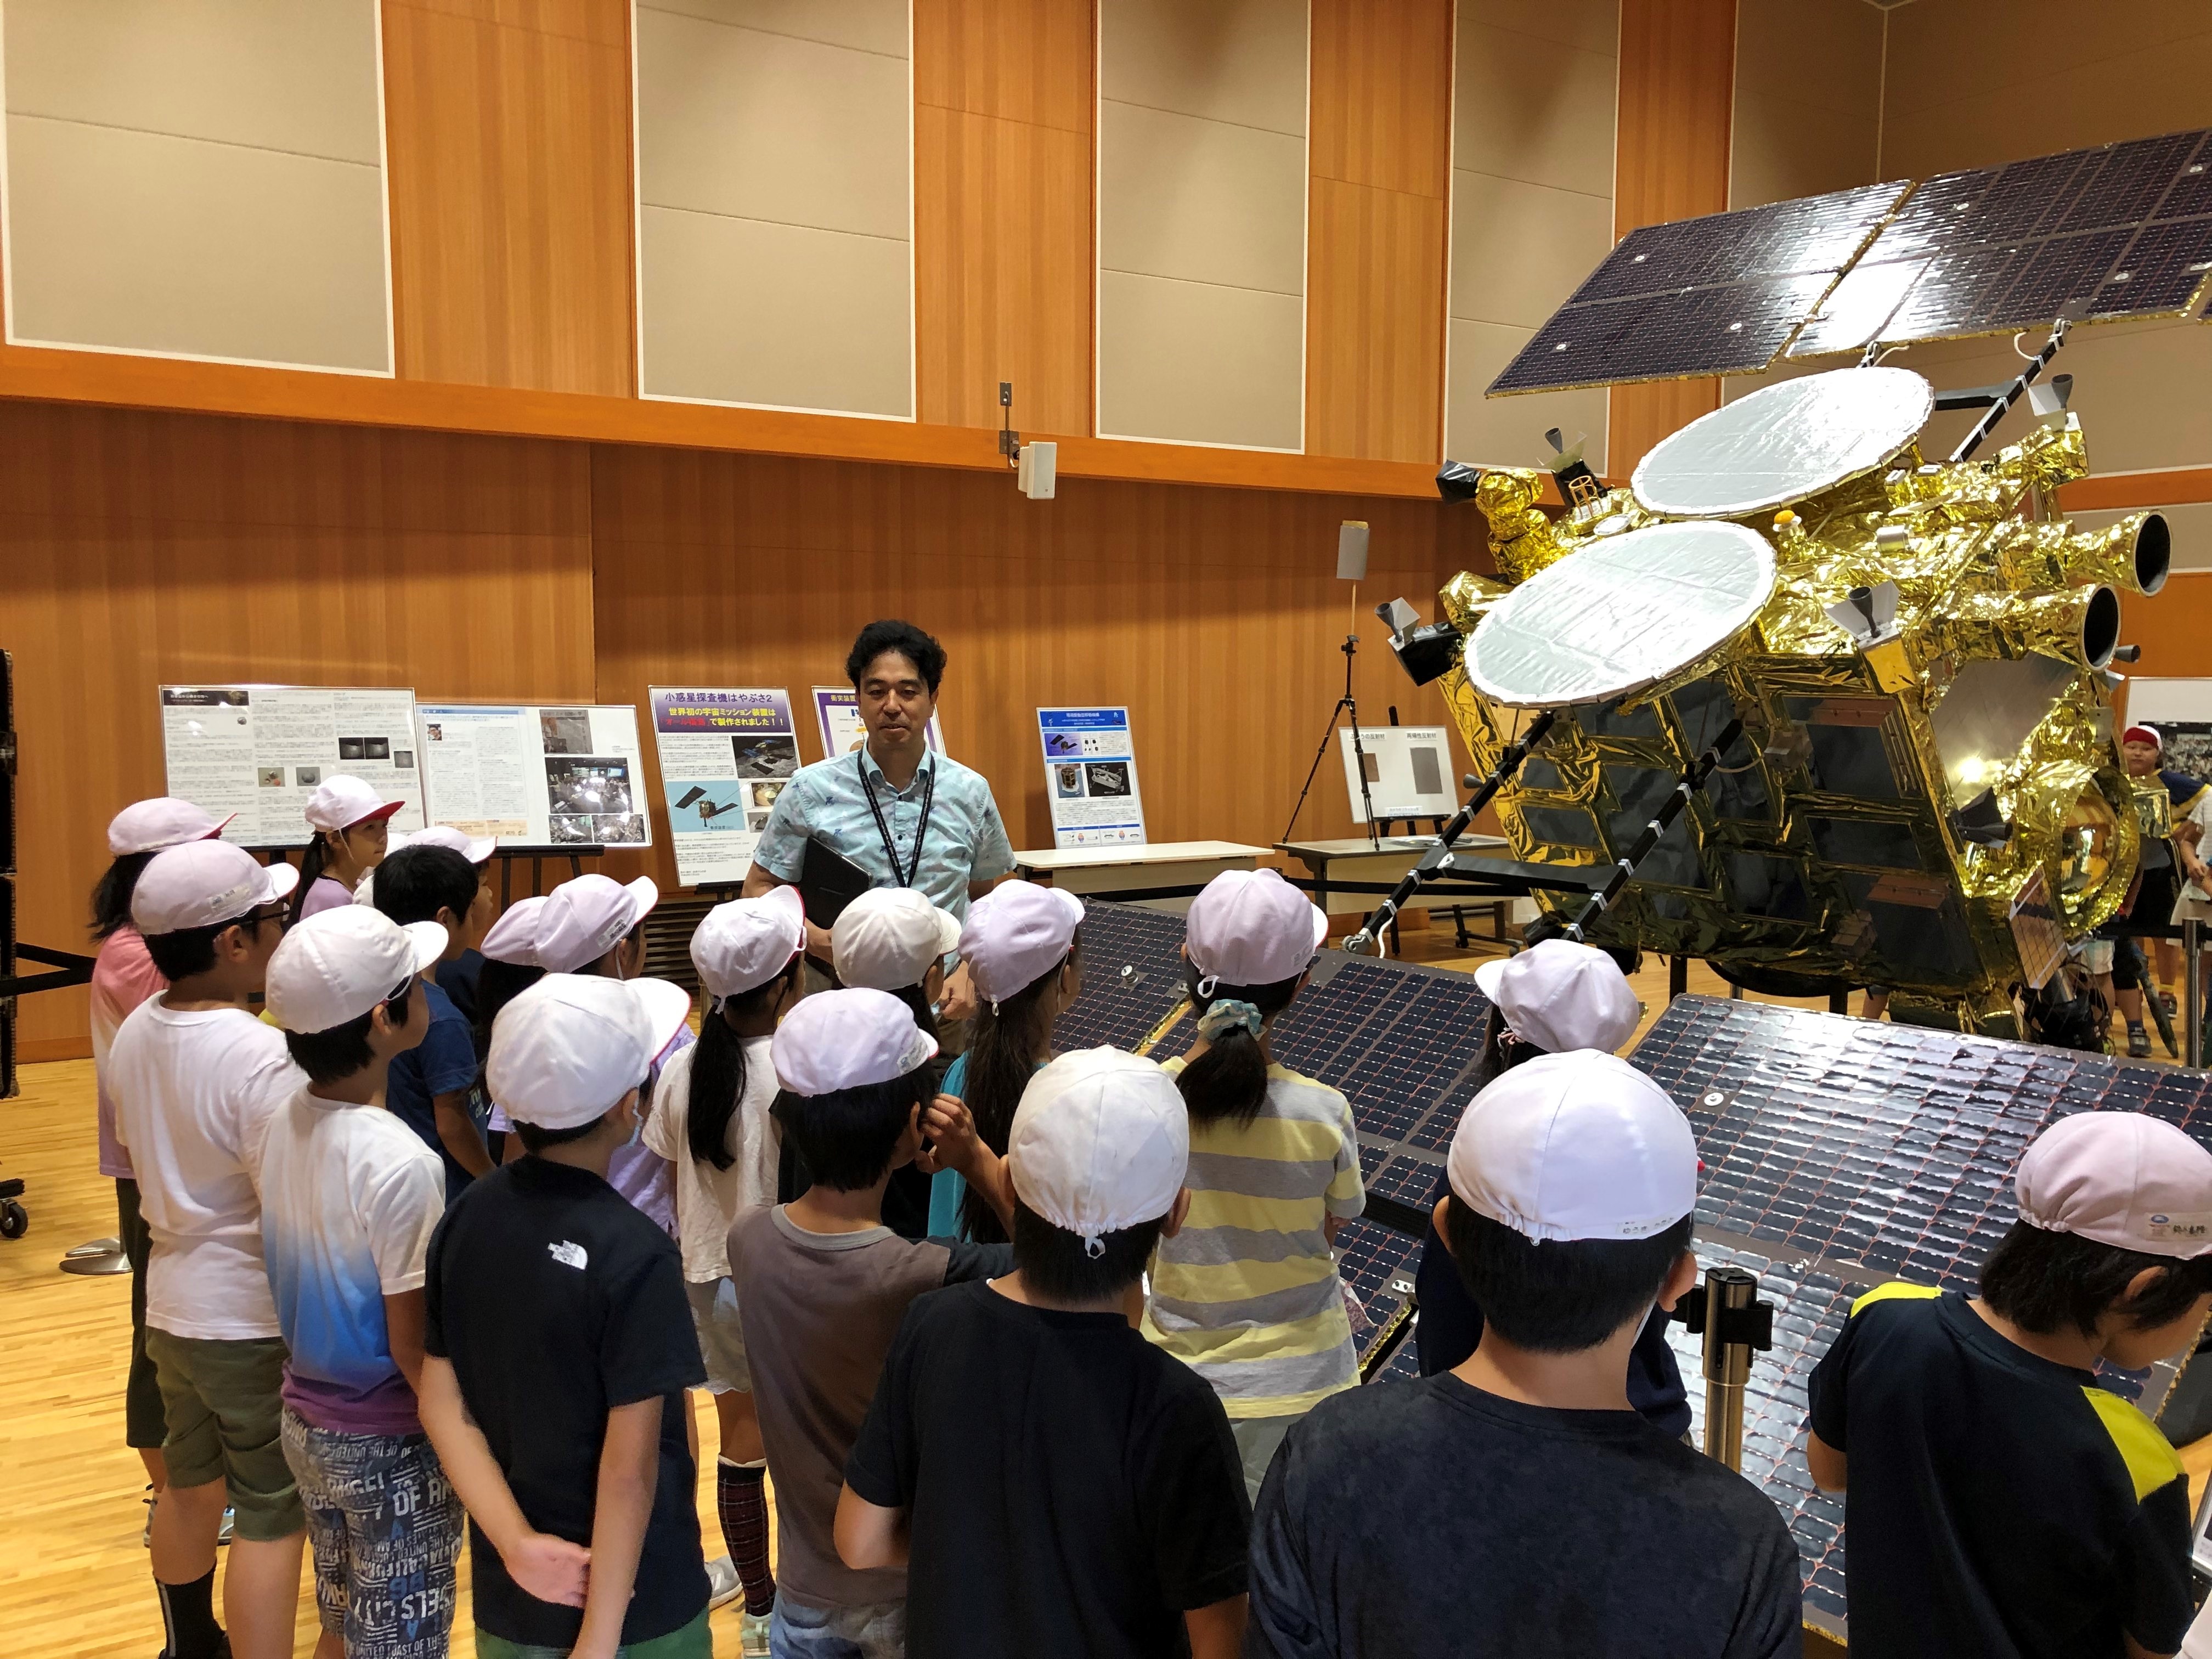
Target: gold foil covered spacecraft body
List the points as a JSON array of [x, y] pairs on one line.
[[1926, 794]]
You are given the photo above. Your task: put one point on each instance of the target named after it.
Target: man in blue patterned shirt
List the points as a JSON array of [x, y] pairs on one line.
[[907, 816]]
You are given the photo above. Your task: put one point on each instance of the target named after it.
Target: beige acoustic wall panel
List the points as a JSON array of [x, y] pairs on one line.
[[1202, 220], [775, 236], [1532, 91], [197, 178], [1807, 115]]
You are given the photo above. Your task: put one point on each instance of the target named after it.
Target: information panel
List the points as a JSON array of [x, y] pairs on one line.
[[258, 751], [1409, 771], [838, 709], [1090, 777], [565, 775], [725, 754]]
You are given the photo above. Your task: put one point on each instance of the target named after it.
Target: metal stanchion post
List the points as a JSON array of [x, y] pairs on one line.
[[1727, 1311], [2192, 992]]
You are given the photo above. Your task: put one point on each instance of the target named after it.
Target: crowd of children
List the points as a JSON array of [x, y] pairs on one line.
[[1041, 1353]]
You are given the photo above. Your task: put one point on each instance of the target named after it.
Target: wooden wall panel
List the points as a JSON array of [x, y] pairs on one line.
[[1671, 162], [1004, 184], [139, 548], [508, 125], [1215, 615], [1380, 157]]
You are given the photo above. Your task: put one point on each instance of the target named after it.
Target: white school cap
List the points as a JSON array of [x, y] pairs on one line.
[[741, 945], [202, 883], [1016, 934], [585, 917], [889, 938], [339, 963], [570, 1046], [848, 1039], [1100, 1142], [341, 801], [148, 826], [513, 937], [1575, 1145], [1560, 995], [1252, 927], [2119, 1178]]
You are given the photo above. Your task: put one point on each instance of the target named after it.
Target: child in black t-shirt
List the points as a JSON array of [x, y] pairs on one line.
[[1517, 1504], [558, 1345], [2000, 1500], [1054, 1483]]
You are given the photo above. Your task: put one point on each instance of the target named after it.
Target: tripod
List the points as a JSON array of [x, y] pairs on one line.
[[1345, 704]]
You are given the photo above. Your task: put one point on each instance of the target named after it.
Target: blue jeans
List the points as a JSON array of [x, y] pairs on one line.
[[798, 1631]]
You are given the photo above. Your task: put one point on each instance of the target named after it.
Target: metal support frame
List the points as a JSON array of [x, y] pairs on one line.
[[2012, 394]]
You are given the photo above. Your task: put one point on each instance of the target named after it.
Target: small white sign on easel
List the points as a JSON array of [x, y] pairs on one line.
[[1408, 771]]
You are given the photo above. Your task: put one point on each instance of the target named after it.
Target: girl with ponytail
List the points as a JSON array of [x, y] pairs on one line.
[[1020, 945], [352, 826], [710, 1118], [1247, 1294]]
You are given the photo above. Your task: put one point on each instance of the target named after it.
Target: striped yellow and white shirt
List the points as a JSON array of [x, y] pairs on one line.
[[1246, 1293]]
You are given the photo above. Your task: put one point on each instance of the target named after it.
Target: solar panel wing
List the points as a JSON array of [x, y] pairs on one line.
[[2119, 230], [1118, 1010], [1723, 294]]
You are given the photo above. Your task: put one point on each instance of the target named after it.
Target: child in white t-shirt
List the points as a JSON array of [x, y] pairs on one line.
[[349, 1197], [710, 1119], [194, 1078]]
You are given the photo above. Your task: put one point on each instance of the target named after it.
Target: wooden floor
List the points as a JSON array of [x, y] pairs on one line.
[[73, 1576]]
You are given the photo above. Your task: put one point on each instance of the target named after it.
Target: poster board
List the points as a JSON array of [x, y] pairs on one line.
[[725, 754], [2182, 711], [837, 709], [258, 751], [552, 774], [1090, 777], [1409, 771]]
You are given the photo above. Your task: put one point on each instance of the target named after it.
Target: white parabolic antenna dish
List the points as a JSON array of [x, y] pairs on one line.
[[1783, 442], [1623, 613]]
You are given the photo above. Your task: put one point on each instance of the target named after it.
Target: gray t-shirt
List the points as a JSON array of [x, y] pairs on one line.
[[819, 1311]]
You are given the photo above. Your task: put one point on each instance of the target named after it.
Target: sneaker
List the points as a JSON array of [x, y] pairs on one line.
[[752, 1634], [223, 1537], [722, 1585], [2138, 1043]]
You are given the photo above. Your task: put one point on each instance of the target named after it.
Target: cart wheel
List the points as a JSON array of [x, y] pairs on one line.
[[14, 1219]]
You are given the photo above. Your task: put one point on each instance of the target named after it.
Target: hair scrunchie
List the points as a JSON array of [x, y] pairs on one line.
[[1225, 1016]]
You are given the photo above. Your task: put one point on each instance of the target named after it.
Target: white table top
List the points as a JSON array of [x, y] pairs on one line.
[[1360, 846], [1156, 852]]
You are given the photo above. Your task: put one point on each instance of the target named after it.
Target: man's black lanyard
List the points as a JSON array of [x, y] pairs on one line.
[[902, 875]]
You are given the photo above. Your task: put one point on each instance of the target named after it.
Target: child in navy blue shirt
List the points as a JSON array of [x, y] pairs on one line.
[[432, 1086]]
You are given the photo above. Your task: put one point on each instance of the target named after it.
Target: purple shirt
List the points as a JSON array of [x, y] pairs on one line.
[[327, 894]]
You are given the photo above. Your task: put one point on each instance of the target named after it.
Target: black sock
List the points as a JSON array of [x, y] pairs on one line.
[[188, 1619]]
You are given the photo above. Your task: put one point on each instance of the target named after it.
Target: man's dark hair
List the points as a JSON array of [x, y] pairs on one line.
[[190, 950], [846, 1138], [110, 897], [2046, 1282], [334, 1055], [535, 1139], [917, 647], [416, 883], [1054, 1262], [1564, 1295]]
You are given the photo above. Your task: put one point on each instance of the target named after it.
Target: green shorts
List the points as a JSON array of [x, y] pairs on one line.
[[226, 1410], [693, 1641]]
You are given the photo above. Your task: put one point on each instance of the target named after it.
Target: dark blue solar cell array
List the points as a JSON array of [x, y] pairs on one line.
[[1882, 1146], [1111, 1013]]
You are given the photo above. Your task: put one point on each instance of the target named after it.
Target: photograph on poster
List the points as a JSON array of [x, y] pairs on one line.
[[590, 784], [618, 828], [696, 804], [1107, 778], [307, 777], [765, 794], [1068, 781], [765, 757], [565, 731], [270, 777]]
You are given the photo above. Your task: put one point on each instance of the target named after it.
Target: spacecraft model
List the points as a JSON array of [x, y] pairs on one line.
[[1818, 707]]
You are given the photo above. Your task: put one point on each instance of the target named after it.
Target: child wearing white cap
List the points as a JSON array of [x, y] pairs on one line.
[[351, 825], [433, 1085], [1021, 947], [710, 1119], [1551, 1518], [1050, 1482], [1552, 998], [123, 976], [1999, 1499], [589, 924], [195, 1077], [821, 1286], [348, 1198], [1248, 1293], [558, 1345]]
